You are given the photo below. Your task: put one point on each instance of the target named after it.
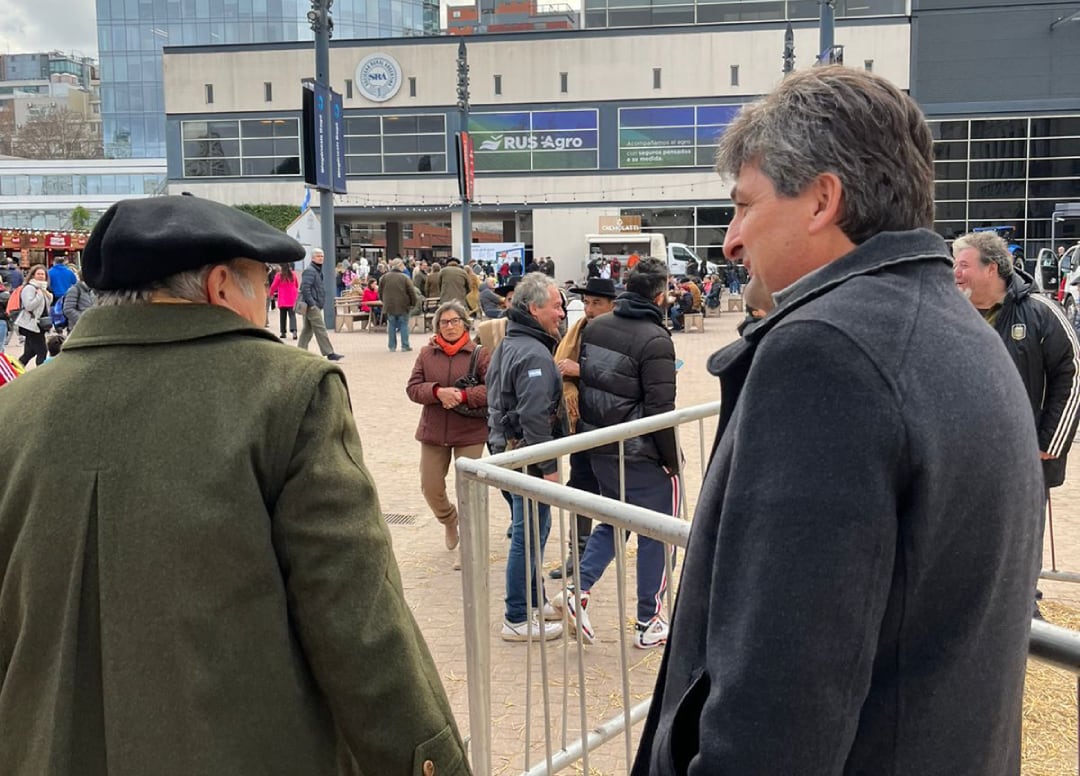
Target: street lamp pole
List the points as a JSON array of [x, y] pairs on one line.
[[463, 112], [323, 26]]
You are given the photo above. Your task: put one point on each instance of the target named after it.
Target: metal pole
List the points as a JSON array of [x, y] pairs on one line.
[[322, 28], [463, 112], [476, 597], [827, 24], [789, 50]]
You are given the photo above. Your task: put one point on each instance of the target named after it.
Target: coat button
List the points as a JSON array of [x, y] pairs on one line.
[[429, 768]]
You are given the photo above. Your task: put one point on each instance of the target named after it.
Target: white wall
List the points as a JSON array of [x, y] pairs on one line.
[[560, 234]]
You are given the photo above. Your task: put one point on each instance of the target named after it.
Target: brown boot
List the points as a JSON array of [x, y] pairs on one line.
[[451, 535]]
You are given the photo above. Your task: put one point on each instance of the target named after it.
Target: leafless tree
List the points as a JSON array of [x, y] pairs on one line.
[[57, 133]]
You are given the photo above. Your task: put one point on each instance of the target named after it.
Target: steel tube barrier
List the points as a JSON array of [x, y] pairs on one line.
[[1059, 647], [473, 479]]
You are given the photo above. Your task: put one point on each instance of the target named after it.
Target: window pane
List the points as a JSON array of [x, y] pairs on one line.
[[1055, 127], [363, 165], [415, 163], [950, 150], [999, 169], [1055, 168], [431, 124], [1063, 147], [1058, 189], [949, 130], [363, 145], [997, 189], [995, 211], [950, 171], [999, 149], [406, 144], [398, 125], [369, 125], [999, 128], [950, 191], [950, 211]]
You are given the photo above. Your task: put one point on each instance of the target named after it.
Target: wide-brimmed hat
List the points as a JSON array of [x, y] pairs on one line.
[[597, 287], [510, 285]]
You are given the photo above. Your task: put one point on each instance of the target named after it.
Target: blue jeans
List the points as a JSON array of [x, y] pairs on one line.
[[516, 610], [3, 334], [394, 324], [647, 485]]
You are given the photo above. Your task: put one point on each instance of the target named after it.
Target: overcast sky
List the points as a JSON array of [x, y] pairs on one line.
[[44, 25]]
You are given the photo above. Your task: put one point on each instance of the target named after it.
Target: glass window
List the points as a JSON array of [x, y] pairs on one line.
[[1068, 146], [1062, 126], [950, 171], [1058, 189], [414, 144], [363, 145], [999, 149], [949, 130], [361, 126], [950, 151], [363, 165], [1055, 168], [950, 191], [950, 211], [718, 216], [1000, 189], [415, 163], [981, 130], [1014, 168], [995, 211]]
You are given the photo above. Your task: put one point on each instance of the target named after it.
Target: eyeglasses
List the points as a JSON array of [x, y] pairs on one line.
[[449, 321]]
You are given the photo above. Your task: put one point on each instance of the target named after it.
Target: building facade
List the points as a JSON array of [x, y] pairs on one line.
[[131, 34], [488, 16], [569, 127]]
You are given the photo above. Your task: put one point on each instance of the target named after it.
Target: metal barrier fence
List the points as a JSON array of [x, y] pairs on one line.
[[474, 479], [1051, 644]]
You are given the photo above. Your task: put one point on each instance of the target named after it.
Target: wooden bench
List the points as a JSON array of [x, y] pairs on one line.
[[694, 322], [734, 304], [347, 312]]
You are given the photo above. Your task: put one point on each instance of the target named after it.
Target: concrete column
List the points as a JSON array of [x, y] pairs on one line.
[[510, 230], [393, 239], [457, 234]]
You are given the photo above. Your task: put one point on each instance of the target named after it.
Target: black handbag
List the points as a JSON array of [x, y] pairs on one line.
[[467, 381]]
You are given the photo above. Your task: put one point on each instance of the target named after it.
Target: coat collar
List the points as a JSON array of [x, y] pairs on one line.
[[882, 251], [521, 324], [152, 324]]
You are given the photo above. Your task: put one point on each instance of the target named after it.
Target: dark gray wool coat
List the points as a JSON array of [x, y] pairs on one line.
[[205, 584], [857, 592]]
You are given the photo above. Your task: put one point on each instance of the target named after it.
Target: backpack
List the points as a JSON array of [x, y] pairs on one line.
[[59, 320], [14, 302]]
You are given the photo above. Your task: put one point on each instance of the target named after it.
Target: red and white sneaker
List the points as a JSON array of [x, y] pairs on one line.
[[576, 614], [651, 634]]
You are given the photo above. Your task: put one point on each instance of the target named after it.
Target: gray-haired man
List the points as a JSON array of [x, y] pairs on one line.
[[525, 408], [858, 579], [313, 295]]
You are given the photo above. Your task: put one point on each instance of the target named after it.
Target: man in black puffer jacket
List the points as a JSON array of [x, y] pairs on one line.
[[628, 372]]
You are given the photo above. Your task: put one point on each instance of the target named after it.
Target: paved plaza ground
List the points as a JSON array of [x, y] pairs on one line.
[[387, 421]]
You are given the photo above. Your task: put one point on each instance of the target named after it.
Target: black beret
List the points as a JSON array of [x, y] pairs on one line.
[[140, 241]]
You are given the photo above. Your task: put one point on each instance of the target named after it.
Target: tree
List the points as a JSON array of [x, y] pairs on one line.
[[279, 216], [7, 130], [80, 219], [57, 133]]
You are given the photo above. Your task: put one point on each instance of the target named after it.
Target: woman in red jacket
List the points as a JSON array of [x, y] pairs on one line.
[[287, 287], [371, 294], [454, 419]]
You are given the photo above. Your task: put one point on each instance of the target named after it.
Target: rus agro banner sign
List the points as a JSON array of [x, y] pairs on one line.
[[524, 141]]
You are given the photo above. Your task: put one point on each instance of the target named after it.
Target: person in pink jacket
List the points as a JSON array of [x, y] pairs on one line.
[[286, 286]]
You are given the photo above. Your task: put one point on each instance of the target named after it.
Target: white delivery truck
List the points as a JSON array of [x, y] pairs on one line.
[[644, 244]]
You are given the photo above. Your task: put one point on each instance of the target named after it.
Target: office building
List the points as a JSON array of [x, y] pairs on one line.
[[131, 34]]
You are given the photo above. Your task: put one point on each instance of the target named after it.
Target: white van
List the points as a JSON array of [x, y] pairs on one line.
[[644, 244]]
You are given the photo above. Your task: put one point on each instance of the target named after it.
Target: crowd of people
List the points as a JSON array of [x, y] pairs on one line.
[[212, 588]]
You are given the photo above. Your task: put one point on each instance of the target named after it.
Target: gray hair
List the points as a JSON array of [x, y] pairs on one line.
[[190, 286], [452, 306], [992, 250], [533, 289], [397, 264], [854, 124]]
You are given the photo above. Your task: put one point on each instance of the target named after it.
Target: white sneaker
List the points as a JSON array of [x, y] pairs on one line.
[[551, 614], [530, 629], [651, 634], [575, 613]]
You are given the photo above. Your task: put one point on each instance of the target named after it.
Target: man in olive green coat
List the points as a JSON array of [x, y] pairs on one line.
[[208, 586]]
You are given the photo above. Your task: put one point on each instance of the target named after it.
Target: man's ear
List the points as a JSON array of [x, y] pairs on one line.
[[215, 285], [828, 201]]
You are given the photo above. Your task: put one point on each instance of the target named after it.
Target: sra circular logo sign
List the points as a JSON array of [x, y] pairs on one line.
[[378, 77]]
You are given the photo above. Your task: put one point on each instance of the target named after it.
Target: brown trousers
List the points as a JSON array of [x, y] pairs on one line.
[[434, 465]]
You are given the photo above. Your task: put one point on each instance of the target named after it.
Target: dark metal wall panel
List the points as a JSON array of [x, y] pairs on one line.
[[993, 53]]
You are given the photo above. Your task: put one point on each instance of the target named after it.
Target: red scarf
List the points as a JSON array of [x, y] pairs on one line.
[[451, 348]]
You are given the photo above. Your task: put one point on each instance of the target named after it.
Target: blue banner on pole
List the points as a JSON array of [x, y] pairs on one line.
[[317, 160], [337, 133]]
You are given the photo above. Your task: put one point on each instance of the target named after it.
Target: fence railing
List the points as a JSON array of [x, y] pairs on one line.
[[474, 479], [1051, 644]]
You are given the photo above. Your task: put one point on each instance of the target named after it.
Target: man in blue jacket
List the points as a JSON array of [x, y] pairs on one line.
[[313, 295], [61, 278], [856, 593]]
